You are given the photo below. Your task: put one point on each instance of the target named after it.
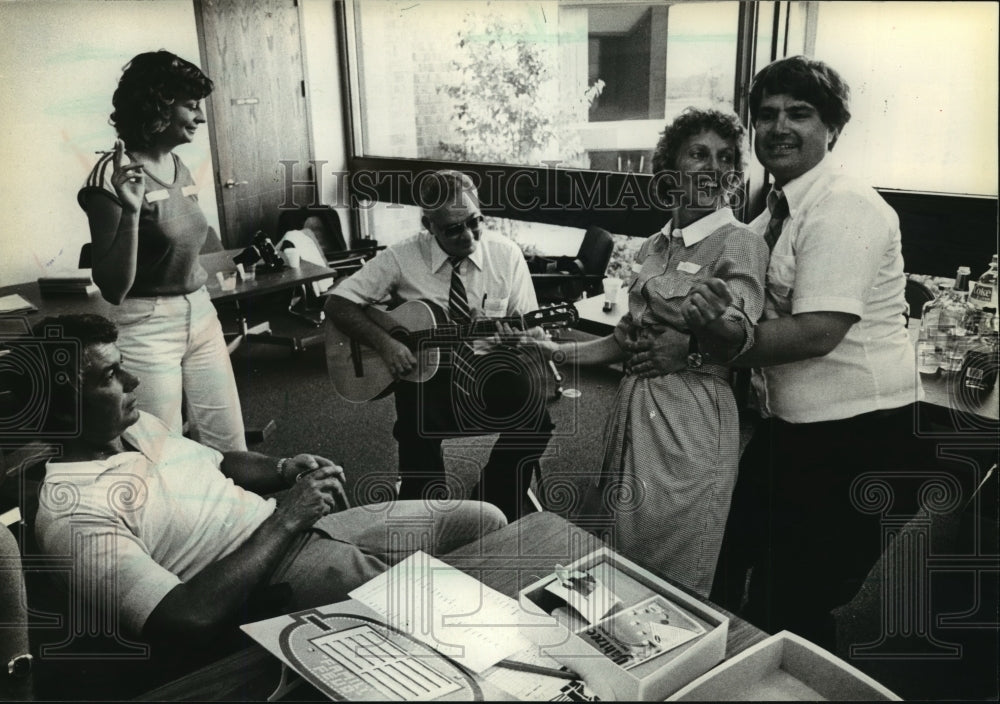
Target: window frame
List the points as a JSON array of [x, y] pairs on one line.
[[532, 184]]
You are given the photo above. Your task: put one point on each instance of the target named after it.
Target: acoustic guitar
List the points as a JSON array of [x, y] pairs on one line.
[[359, 374]]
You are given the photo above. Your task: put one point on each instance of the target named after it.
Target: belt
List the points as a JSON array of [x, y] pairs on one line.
[[719, 370]]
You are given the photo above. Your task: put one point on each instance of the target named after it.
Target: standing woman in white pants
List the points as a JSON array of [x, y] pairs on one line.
[[147, 231]]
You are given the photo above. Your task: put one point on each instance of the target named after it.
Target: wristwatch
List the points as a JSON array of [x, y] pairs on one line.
[[695, 358], [19, 666]]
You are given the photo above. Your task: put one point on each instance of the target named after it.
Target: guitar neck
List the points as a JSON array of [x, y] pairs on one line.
[[457, 334]]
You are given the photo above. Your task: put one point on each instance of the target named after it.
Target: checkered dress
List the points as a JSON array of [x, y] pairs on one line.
[[672, 442]]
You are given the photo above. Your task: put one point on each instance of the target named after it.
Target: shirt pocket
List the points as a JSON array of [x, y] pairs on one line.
[[781, 280], [495, 307], [675, 284]]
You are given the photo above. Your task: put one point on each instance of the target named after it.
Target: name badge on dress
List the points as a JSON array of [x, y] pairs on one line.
[[191, 190], [689, 267], [153, 196]]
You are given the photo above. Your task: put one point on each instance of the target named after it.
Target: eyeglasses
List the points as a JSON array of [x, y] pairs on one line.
[[458, 229]]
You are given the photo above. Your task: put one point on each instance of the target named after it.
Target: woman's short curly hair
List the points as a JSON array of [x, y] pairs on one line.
[[150, 84], [694, 121]]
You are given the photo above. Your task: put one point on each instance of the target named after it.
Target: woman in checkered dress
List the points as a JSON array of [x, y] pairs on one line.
[[672, 442]]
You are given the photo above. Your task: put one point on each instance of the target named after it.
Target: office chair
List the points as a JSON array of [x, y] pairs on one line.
[[917, 294], [323, 223], [568, 278], [317, 234]]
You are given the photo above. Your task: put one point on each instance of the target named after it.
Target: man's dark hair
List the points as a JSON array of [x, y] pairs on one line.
[[88, 330], [808, 80]]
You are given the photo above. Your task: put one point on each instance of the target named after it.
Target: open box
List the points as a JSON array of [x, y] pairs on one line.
[[562, 633], [784, 667]]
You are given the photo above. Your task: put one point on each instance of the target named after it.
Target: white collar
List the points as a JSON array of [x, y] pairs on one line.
[[147, 437], [796, 189], [702, 228], [439, 257]]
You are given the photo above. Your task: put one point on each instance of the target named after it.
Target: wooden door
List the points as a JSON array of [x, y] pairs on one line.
[[258, 114]]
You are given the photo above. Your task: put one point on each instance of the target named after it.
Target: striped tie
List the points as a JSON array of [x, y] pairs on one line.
[[458, 302], [778, 205]]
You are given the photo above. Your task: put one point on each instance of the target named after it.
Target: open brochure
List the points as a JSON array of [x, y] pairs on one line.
[[422, 631]]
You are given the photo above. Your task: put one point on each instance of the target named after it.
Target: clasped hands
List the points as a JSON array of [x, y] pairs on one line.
[[316, 490], [654, 354]]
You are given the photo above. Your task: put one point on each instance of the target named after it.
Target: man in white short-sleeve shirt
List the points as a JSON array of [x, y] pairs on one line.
[[834, 368], [170, 539], [470, 394]]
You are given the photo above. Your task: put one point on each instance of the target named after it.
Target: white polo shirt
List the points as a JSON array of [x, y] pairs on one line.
[[139, 523], [839, 250], [496, 276]]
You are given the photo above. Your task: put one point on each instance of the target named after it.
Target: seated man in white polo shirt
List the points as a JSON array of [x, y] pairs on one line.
[[172, 538]]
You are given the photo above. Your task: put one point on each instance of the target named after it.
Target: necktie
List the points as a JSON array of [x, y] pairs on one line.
[[458, 301], [778, 205]]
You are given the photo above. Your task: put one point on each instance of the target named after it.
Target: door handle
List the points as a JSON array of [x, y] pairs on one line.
[[233, 184]]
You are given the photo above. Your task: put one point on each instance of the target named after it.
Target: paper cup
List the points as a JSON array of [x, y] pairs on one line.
[[612, 287], [227, 280]]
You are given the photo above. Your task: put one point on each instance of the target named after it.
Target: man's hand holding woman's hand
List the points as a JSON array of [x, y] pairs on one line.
[[705, 304], [656, 354]]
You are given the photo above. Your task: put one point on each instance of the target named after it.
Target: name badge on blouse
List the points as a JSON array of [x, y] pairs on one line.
[[636, 268], [153, 196], [190, 190], [689, 267]]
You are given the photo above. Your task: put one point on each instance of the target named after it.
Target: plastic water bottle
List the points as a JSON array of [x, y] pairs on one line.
[[928, 342], [951, 324], [984, 293]]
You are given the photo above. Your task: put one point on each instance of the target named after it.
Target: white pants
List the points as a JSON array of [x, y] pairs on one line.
[[174, 345]]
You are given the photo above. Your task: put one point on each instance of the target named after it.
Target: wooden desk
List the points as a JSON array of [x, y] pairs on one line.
[[506, 560], [264, 283], [214, 262]]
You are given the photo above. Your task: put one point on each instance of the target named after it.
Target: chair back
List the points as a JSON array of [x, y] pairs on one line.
[[330, 239], [917, 294], [86, 256], [595, 250]]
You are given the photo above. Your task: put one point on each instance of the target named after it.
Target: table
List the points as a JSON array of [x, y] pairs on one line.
[[940, 405], [507, 560], [264, 284]]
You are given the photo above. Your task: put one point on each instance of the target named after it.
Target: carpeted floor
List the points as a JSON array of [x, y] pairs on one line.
[[292, 389]]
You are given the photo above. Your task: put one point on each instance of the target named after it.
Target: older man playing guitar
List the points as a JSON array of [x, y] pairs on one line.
[[474, 276]]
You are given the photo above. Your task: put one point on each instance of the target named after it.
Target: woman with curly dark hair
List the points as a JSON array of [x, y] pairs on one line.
[[672, 442], [147, 230]]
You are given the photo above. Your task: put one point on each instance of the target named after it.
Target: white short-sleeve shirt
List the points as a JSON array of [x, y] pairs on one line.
[[496, 278], [839, 250], [139, 523]]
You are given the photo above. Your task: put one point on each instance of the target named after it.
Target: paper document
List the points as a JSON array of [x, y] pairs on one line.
[[447, 609], [15, 303], [348, 654]]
